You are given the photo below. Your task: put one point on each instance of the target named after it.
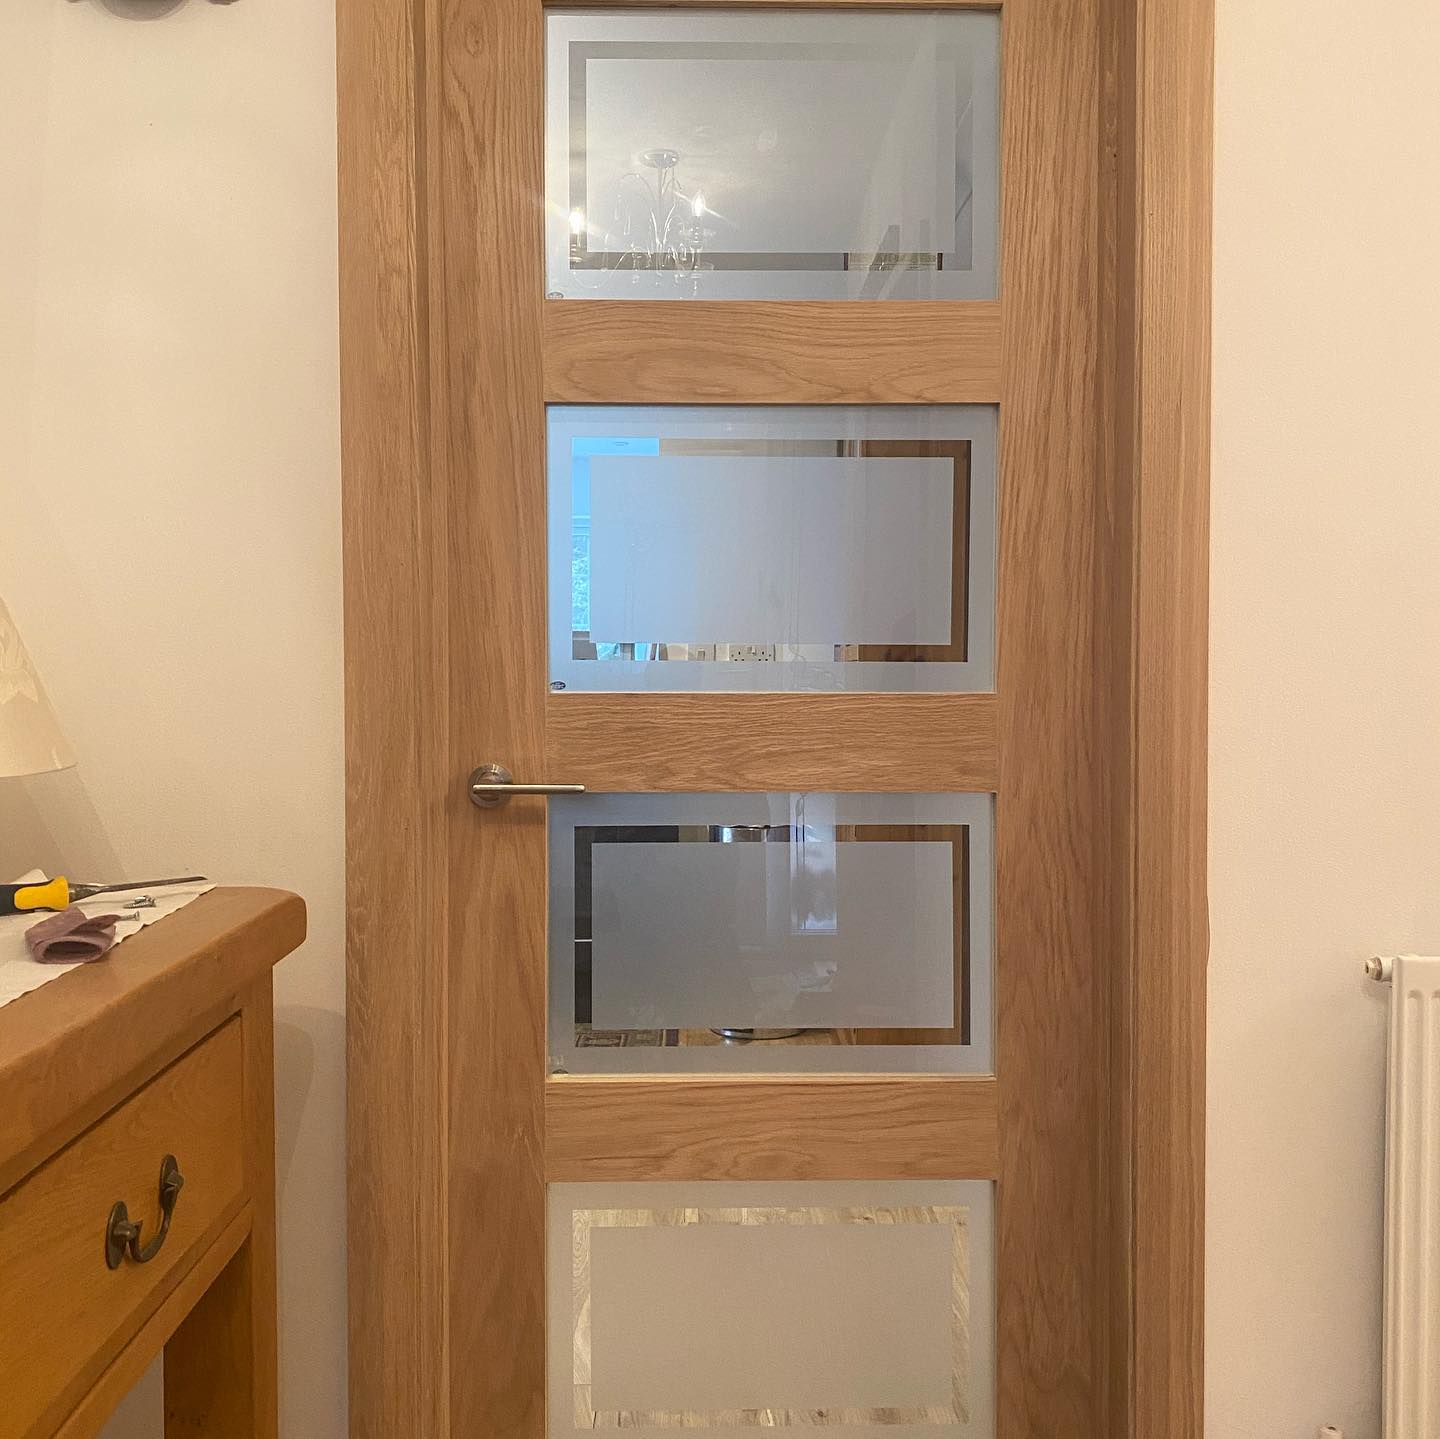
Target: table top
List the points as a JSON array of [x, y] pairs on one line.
[[65, 1045]]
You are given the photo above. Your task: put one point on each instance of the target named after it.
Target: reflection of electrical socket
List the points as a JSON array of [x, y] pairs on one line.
[[701, 652], [752, 652]]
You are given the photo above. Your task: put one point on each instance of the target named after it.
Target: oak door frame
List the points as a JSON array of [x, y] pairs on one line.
[[1152, 395]]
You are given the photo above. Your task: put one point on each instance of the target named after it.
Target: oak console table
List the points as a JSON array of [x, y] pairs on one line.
[[137, 1178]]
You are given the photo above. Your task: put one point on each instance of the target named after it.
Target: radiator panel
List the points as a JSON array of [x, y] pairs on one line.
[[1412, 1203]]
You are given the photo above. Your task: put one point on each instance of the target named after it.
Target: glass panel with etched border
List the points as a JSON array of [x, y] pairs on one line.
[[737, 933], [865, 1308], [772, 154], [772, 548]]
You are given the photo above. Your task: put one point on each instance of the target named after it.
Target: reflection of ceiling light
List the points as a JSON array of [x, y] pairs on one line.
[[656, 223]]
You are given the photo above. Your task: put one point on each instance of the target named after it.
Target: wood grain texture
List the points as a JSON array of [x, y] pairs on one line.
[[64, 1315], [211, 1386], [1167, 416], [73, 1049], [661, 352], [772, 1127], [772, 741], [484, 83], [394, 514], [1115, 720], [221, 1370], [262, 1281], [125, 1371], [1049, 959], [445, 553]]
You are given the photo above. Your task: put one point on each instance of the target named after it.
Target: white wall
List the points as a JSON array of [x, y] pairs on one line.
[[169, 487], [1325, 691]]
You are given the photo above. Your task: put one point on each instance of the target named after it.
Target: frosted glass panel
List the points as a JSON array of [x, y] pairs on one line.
[[864, 1307], [645, 581], [847, 896], [790, 932], [772, 548], [772, 155]]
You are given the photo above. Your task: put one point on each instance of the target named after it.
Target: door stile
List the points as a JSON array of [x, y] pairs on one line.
[[394, 517], [1049, 1058], [484, 73]]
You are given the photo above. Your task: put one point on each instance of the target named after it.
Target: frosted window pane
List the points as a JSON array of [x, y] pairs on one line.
[[865, 1307], [715, 932], [772, 155], [814, 561], [772, 548], [701, 954]]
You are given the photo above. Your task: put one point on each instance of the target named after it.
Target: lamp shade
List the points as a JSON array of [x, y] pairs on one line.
[[31, 741]]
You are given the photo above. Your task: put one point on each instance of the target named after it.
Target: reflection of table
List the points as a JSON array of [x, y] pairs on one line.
[[161, 1051]]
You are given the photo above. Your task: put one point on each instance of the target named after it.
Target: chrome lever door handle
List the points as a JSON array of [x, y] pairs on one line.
[[493, 784]]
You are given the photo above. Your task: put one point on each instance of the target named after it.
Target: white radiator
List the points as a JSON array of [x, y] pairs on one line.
[[1412, 1198]]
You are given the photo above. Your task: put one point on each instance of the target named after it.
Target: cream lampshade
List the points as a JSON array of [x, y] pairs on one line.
[[30, 738]]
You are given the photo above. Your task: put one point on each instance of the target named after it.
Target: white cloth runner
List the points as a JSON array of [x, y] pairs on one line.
[[20, 972]]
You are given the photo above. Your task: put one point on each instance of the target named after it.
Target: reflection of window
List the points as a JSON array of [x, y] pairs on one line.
[[581, 451], [813, 900], [580, 575]]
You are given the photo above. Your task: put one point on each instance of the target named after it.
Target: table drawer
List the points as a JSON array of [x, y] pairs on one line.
[[62, 1310]]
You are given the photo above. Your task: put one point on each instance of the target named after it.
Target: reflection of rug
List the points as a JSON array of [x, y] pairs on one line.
[[586, 1038]]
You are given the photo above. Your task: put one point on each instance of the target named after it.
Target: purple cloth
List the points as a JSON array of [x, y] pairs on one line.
[[72, 936]]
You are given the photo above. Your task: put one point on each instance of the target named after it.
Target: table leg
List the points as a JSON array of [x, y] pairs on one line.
[[220, 1365]]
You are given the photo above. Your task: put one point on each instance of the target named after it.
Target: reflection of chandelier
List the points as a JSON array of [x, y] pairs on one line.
[[658, 224]]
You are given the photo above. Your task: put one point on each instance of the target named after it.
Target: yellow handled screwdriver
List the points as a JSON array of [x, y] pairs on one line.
[[60, 894]]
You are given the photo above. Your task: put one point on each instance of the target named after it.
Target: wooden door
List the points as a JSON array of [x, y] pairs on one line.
[[551, 1152]]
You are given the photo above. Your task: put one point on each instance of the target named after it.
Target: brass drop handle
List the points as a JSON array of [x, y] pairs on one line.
[[122, 1234]]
